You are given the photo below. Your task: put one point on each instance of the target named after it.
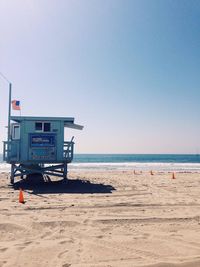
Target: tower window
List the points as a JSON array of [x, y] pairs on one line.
[[42, 126], [47, 127], [38, 126]]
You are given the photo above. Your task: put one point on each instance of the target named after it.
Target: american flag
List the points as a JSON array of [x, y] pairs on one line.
[[16, 105]]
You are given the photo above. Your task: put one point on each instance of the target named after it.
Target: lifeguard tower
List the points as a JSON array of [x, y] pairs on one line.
[[37, 145]]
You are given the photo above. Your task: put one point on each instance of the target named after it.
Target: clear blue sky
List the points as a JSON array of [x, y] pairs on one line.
[[129, 71]]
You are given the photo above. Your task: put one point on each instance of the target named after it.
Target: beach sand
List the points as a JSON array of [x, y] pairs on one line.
[[102, 219]]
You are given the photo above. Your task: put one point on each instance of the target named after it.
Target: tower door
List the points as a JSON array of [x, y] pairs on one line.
[[15, 142]]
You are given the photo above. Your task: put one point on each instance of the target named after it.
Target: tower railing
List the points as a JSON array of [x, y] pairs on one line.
[[11, 150], [68, 151]]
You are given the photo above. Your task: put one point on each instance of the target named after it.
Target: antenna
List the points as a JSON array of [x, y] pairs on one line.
[[4, 77]]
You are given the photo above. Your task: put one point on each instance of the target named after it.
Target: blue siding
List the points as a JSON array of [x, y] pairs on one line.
[[42, 153]]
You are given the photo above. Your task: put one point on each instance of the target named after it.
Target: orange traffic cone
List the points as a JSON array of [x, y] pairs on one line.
[[173, 176], [21, 196], [151, 172]]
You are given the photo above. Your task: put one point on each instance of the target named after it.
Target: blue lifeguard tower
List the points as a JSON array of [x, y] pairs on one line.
[[37, 145]]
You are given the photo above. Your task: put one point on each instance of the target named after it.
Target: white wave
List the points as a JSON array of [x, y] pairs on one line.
[[158, 166], [143, 166]]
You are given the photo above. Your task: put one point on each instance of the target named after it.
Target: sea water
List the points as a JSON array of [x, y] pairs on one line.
[[143, 162]]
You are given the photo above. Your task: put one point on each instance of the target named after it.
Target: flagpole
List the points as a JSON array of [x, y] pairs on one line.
[[9, 104], [9, 110]]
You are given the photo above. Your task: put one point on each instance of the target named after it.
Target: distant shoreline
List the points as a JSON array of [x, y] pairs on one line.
[[126, 166], [123, 162]]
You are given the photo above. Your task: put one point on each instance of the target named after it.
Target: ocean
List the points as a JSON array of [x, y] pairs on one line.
[[143, 162]]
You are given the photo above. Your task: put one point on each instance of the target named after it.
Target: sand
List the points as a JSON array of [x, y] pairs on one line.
[[102, 219]]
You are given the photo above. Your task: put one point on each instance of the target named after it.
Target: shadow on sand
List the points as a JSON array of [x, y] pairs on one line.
[[40, 185]]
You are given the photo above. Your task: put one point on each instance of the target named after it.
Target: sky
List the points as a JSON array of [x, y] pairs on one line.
[[126, 70]]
